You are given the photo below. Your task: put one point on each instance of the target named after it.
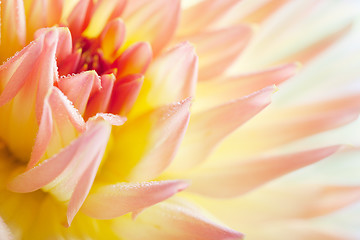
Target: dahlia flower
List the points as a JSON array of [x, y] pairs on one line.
[[162, 119]]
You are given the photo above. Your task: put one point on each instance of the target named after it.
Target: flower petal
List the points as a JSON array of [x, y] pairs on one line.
[[13, 27], [231, 180], [145, 146], [170, 78], [218, 49], [202, 14], [110, 201], [153, 21], [172, 221], [78, 88], [103, 12], [212, 93], [134, 60], [23, 91], [206, 129], [60, 124], [112, 38]]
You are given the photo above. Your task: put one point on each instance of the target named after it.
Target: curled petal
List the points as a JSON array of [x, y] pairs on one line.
[[110, 201], [78, 88], [173, 221], [112, 38]]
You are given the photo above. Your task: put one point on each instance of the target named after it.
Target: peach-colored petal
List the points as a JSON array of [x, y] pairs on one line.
[[23, 91], [208, 128], [64, 41], [79, 17], [13, 27], [211, 93], [307, 54], [290, 124], [201, 15], [60, 124], [166, 221], [69, 164], [78, 88], [145, 146], [217, 49], [134, 60], [103, 12], [100, 101], [172, 76], [264, 11], [70, 63], [110, 201], [112, 38], [153, 21], [231, 180], [5, 233], [125, 93]]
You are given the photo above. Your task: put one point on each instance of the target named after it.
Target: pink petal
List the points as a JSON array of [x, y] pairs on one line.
[[100, 101], [153, 21], [314, 50], [79, 17], [74, 159], [78, 88], [103, 12], [145, 146], [60, 124], [110, 201], [231, 180], [173, 222], [290, 124], [228, 88], [202, 14], [134, 60], [125, 93], [207, 129], [173, 75], [218, 49]]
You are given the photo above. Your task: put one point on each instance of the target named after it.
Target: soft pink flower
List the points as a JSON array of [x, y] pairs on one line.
[[97, 141]]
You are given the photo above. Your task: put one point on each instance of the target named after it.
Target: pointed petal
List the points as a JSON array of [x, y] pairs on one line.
[[134, 60], [112, 38], [206, 129], [79, 17], [173, 75], [289, 124], [172, 221], [212, 93], [218, 49], [23, 91], [13, 27], [125, 93], [60, 124], [231, 180], [104, 12], [78, 88], [110, 201], [153, 21], [144, 147], [201, 15], [100, 101]]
